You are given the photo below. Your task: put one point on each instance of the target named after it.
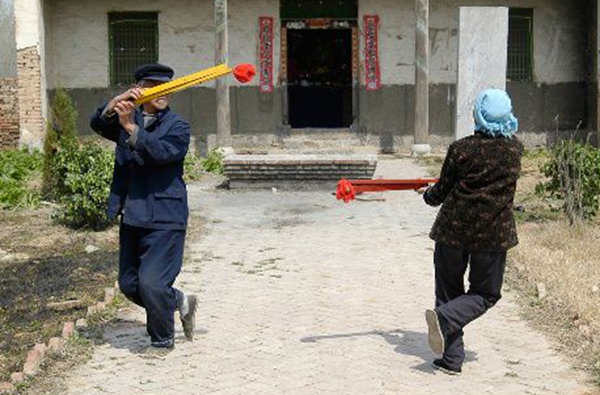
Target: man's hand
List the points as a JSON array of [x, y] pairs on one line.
[[422, 190], [129, 95], [126, 111]]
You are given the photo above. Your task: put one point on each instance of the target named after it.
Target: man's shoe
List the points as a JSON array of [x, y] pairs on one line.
[[153, 352], [436, 337], [442, 366], [188, 321]]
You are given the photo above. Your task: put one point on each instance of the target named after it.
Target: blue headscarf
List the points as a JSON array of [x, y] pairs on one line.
[[493, 114]]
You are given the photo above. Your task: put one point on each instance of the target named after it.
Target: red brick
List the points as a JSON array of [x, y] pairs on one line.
[[68, 330]]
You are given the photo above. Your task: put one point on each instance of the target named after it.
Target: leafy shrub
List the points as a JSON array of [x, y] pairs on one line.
[[573, 170], [61, 134], [192, 167], [213, 163], [18, 169], [84, 197]]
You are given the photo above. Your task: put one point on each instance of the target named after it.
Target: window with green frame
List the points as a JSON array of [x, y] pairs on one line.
[[520, 44], [133, 41]]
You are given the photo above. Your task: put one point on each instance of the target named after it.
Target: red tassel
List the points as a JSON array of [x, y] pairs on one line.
[[345, 191], [244, 73]]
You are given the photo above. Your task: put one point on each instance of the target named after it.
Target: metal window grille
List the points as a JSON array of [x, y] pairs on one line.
[[133, 40], [520, 45]]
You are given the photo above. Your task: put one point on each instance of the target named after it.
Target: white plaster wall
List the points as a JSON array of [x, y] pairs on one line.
[[396, 39], [243, 34], [79, 36], [79, 48], [559, 38], [29, 23]]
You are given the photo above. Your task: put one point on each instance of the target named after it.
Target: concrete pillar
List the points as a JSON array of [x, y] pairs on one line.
[[222, 84], [421, 145], [482, 59]]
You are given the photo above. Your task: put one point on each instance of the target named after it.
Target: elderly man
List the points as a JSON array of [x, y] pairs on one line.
[[475, 226], [149, 195]]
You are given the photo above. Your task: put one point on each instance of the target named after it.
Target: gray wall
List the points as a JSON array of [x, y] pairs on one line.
[[8, 44], [251, 111], [539, 107]]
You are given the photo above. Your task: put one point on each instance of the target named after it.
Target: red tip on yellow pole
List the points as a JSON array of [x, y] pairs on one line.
[[243, 73]]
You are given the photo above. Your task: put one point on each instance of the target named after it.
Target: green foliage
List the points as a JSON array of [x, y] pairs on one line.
[[84, 196], [18, 170], [61, 134], [213, 163], [536, 153], [573, 170], [192, 168]]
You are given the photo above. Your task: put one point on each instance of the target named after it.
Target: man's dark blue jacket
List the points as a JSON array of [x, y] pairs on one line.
[[147, 186]]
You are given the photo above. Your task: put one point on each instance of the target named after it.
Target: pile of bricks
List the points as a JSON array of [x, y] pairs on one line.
[[9, 113], [259, 170]]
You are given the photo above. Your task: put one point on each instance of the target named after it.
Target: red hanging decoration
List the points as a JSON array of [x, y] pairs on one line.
[[266, 53], [372, 72]]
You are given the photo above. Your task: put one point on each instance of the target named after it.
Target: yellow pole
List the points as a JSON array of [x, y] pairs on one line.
[[184, 82]]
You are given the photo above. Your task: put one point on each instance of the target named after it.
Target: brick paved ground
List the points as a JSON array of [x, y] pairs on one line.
[[303, 295]]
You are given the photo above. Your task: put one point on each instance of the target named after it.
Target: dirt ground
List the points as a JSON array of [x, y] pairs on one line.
[[42, 262]]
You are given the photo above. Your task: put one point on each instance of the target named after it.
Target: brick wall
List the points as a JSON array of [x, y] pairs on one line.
[[9, 113], [30, 96]]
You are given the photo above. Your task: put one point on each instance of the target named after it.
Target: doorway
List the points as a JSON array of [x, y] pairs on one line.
[[319, 77]]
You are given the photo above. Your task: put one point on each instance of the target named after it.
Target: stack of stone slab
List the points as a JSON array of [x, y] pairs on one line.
[[247, 171]]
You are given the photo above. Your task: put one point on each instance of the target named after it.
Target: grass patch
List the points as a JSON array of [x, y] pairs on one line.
[[565, 259]]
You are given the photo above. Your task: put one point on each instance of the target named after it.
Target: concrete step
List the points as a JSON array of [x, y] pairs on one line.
[[270, 170]]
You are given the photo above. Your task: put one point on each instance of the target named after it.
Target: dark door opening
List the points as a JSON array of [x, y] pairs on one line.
[[320, 78]]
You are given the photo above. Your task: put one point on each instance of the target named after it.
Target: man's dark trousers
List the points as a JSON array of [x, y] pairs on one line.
[[149, 262], [454, 307]]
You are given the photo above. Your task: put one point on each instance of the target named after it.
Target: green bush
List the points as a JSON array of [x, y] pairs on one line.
[[213, 163], [18, 171], [88, 174], [192, 168], [573, 170], [61, 134]]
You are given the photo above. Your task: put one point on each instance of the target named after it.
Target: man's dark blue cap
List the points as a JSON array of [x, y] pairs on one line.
[[153, 72]]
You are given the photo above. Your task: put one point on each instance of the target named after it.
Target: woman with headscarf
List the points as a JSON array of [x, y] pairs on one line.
[[475, 225]]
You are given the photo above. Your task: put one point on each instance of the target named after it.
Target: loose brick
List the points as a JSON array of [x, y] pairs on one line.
[[81, 324], [109, 295], [35, 357], [68, 330], [7, 389], [17, 378], [56, 344]]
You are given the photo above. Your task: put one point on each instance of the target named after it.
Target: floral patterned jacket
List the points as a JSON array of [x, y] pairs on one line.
[[476, 190]]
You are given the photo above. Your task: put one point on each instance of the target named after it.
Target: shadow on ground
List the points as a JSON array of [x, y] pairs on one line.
[[404, 342]]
